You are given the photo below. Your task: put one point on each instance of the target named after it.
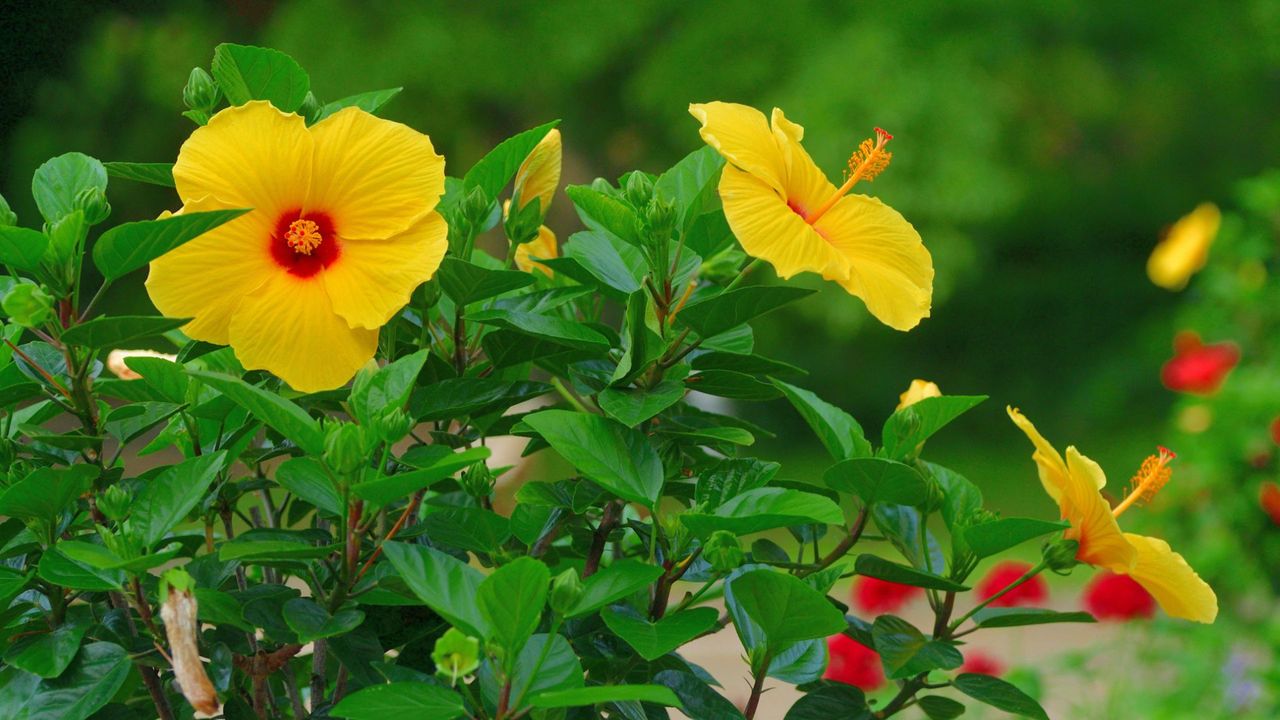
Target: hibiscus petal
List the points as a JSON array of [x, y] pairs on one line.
[[889, 267], [288, 327], [807, 187], [1093, 525], [544, 246], [252, 156], [206, 278], [374, 278], [374, 177], [1171, 581], [741, 134], [770, 230]]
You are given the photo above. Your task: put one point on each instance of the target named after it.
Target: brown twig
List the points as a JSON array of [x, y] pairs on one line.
[[409, 510], [608, 522]]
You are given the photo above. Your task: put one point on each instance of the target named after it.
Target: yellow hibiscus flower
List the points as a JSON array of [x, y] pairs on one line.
[[1184, 250], [343, 228], [919, 390], [784, 210], [1076, 485], [537, 179], [543, 246]]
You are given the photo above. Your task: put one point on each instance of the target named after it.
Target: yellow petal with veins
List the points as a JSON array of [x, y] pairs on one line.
[[742, 135], [1092, 524], [543, 246], [767, 229], [1171, 581]]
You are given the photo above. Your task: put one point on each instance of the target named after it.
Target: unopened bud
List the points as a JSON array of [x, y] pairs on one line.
[[723, 551], [456, 655], [201, 92], [344, 448], [660, 218], [92, 201], [178, 611], [115, 502], [1061, 554], [476, 207], [28, 305], [393, 424], [478, 480], [539, 175], [638, 190], [566, 591]]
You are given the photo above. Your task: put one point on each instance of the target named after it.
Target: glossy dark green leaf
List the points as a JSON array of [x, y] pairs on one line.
[[371, 102], [878, 480], [247, 73], [386, 490], [604, 213], [547, 327], [113, 332], [999, 694], [389, 387], [59, 180], [219, 608], [733, 385], [992, 617], [311, 621], [283, 416], [48, 654], [92, 679], [511, 601], [45, 493], [937, 707], [22, 248], [168, 497], [597, 694], [611, 263], [909, 427], [163, 376], [157, 173], [878, 567], [840, 434], [905, 651], [496, 169], [469, 528], [471, 396], [747, 364], [652, 640], [784, 608], [999, 535], [446, 584], [466, 283], [401, 700], [125, 248], [633, 406], [691, 184], [306, 478], [697, 698], [610, 584], [259, 551], [831, 700], [617, 458], [727, 310], [538, 669], [764, 509], [59, 569]]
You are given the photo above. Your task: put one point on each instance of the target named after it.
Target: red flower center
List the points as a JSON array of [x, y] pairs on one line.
[[304, 244]]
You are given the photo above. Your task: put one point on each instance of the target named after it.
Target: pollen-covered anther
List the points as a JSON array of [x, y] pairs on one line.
[[303, 236], [1153, 475], [868, 161]]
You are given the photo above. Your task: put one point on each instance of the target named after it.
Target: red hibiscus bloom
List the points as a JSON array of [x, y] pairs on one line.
[[1004, 574], [980, 663], [1269, 499], [1197, 368], [1275, 430], [853, 663], [1118, 597], [875, 596]]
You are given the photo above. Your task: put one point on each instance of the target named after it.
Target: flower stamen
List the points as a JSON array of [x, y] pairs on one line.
[[303, 236], [1152, 476], [868, 161]]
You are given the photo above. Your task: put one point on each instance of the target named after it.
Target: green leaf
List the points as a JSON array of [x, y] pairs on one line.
[[604, 213], [114, 332], [990, 617], [832, 700], [22, 248], [840, 434], [245, 73], [286, 418], [12, 582], [219, 608], [401, 700], [511, 601], [728, 310], [93, 678], [557, 330], [731, 477], [999, 694], [497, 168], [699, 700], [167, 498], [312, 622], [613, 583], [785, 609], [905, 651], [997, 536], [907, 429], [164, 376], [691, 184], [764, 509], [45, 493], [729, 384], [129, 422], [446, 584], [633, 406], [371, 102], [48, 654], [386, 490], [125, 248], [470, 528], [389, 387], [538, 668], [878, 480], [746, 364], [306, 478], [878, 567], [260, 551], [466, 283], [610, 262], [596, 694], [961, 498], [615, 457], [937, 707], [57, 182], [59, 569], [457, 397], [653, 640], [159, 173]]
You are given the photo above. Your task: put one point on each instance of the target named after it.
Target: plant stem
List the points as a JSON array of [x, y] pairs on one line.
[[742, 275], [757, 689], [855, 532], [568, 396], [1025, 577], [607, 523]]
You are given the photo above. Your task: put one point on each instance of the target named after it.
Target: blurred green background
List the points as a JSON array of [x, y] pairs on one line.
[[1041, 148]]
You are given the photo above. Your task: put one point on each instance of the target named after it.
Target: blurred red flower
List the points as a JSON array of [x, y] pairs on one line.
[[853, 663], [1118, 597], [1269, 499], [875, 596], [1197, 368], [1004, 574], [1275, 430], [980, 663]]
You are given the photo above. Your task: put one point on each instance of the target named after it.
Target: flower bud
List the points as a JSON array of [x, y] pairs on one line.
[[66, 241], [92, 201], [456, 655], [566, 591], [638, 190], [478, 480], [178, 611], [115, 502], [1061, 554], [539, 175], [660, 218], [723, 551], [344, 448], [28, 305], [393, 424], [8, 218], [476, 207], [919, 390], [201, 92]]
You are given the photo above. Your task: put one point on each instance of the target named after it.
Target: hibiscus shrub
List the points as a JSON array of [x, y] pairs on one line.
[[301, 512]]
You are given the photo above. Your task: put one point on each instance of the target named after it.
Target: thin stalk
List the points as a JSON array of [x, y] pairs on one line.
[[1025, 577]]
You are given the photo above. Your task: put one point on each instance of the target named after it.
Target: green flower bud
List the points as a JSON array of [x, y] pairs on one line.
[[724, 266], [638, 190], [660, 218], [115, 502], [201, 93], [8, 218], [456, 655], [66, 241], [344, 448], [478, 480], [92, 201], [723, 551], [28, 305], [476, 207], [393, 424], [566, 591], [1061, 554]]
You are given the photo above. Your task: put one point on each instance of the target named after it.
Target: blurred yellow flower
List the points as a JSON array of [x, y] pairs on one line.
[[543, 246], [919, 390], [783, 209], [1185, 248], [1076, 485], [343, 228], [117, 366], [539, 174]]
